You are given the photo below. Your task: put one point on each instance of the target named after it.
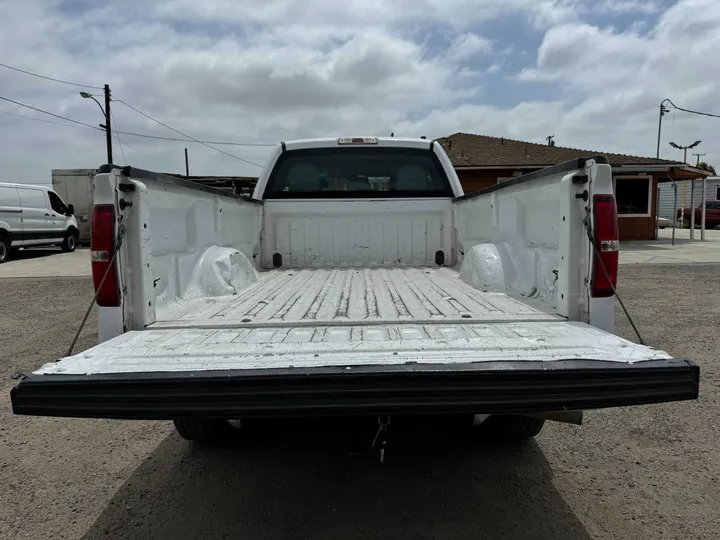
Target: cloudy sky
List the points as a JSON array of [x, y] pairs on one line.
[[591, 72]]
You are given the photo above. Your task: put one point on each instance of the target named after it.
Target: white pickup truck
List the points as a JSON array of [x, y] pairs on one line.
[[358, 281]]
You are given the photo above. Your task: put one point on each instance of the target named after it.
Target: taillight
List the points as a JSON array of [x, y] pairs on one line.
[[607, 243], [102, 248]]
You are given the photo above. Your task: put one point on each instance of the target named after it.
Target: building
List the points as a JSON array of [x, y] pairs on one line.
[[667, 196], [482, 161]]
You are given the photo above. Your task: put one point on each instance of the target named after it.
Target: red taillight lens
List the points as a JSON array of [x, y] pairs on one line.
[[102, 247], [607, 243]]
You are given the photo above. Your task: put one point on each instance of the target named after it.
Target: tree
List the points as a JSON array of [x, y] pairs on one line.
[[706, 167]]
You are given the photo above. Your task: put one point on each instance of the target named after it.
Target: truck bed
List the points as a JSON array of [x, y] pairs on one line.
[[352, 296], [349, 318]]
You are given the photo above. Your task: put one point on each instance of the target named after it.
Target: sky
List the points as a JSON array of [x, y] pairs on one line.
[[590, 72]]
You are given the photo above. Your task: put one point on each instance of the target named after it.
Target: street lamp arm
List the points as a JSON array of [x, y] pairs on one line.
[[98, 104], [87, 95]]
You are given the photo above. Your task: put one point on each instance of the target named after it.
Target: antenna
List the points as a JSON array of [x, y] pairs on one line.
[[550, 141]]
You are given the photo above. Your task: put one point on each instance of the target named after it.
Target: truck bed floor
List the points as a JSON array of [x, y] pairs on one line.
[[347, 318], [343, 296]]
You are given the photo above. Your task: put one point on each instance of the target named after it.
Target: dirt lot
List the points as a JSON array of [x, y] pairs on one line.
[[647, 472]]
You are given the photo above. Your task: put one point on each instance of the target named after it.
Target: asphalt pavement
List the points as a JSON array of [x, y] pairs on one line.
[[642, 472]]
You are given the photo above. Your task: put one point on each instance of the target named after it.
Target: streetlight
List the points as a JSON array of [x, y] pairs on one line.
[[106, 114], [685, 148], [692, 191]]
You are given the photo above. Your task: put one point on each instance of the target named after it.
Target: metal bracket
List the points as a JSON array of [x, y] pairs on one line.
[[580, 179], [126, 187]]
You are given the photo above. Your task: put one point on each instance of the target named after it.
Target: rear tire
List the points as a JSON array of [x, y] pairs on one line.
[[202, 429], [4, 248], [70, 242], [513, 428]]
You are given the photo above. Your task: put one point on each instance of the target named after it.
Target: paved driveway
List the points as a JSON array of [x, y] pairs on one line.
[[662, 251], [47, 262]]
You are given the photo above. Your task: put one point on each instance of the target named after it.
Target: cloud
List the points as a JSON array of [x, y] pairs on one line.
[[630, 6], [466, 46], [281, 69]]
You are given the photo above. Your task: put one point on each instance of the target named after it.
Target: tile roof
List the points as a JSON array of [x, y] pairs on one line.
[[469, 150]]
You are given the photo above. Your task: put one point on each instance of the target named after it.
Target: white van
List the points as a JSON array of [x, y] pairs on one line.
[[34, 216]]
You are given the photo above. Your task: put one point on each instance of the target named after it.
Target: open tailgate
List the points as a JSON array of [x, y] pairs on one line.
[[356, 369]]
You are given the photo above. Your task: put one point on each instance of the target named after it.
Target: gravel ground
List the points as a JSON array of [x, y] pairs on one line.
[[643, 472]]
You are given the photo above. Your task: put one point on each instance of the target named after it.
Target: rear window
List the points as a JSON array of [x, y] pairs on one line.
[[357, 173]]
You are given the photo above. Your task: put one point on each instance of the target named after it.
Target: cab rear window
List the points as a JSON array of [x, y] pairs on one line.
[[357, 173]]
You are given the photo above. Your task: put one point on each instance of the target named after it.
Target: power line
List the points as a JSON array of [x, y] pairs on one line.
[[691, 111], [188, 136], [141, 152], [223, 143], [48, 121], [46, 112], [112, 118], [51, 78], [144, 135]]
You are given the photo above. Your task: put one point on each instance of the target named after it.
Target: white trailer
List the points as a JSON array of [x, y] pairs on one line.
[[75, 187]]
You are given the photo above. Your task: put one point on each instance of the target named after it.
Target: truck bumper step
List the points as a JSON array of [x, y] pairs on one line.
[[483, 387]]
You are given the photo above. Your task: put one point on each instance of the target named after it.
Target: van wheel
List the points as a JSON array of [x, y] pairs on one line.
[[4, 248], [513, 428], [70, 242], [202, 429]]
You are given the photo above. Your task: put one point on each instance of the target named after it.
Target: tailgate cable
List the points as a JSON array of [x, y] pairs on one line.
[[586, 222], [121, 235]]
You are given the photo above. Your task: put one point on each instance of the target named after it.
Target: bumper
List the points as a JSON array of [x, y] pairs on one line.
[[488, 388]]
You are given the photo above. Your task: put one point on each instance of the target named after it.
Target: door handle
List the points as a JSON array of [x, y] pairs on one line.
[[48, 215]]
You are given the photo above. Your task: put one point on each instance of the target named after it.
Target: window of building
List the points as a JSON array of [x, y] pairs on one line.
[[717, 193], [633, 195]]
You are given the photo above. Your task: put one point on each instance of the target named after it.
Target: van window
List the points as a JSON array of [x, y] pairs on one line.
[[9, 197], [56, 203], [326, 173], [32, 198]]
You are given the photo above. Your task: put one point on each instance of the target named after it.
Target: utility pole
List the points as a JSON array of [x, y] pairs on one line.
[[106, 114], [663, 111], [187, 168], [108, 135], [698, 158]]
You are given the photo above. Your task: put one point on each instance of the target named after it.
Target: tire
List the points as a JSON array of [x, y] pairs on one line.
[[70, 242], [202, 429], [4, 248], [512, 428], [686, 223]]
